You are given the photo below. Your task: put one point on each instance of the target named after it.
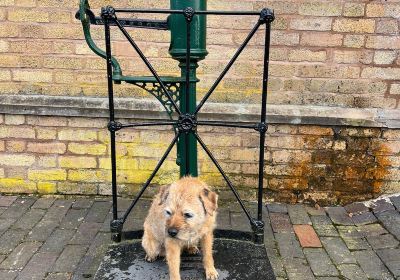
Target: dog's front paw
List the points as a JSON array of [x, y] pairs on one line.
[[211, 274], [150, 259]]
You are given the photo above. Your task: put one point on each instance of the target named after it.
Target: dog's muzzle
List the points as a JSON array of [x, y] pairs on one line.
[[172, 232]]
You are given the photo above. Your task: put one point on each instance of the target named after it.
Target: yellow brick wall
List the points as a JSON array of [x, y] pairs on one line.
[[335, 53], [315, 163]]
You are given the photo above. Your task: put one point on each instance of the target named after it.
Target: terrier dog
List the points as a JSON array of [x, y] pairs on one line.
[[181, 216]]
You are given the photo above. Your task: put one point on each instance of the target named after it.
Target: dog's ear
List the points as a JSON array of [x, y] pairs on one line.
[[209, 200], [164, 192]]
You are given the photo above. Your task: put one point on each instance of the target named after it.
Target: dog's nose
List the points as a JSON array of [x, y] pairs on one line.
[[172, 232]]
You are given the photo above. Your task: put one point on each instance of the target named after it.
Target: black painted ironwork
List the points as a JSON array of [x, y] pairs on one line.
[[186, 123]]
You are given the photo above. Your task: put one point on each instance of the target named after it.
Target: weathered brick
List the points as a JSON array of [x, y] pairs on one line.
[[320, 24], [63, 63], [353, 9], [47, 175], [90, 149], [89, 175], [354, 25], [375, 10], [28, 15], [15, 146], [320, 9], [385, 57], [395, 89], [387, 26], [285, 38], [77, 135], [17, 132], [14, 119], [46, 187], [321, 39], [47, 148], [16, 159], [32, 76], [382, 42], [5, 75], [354, 41], [77, 162], [307, 55], [381, 73], [353, 57]]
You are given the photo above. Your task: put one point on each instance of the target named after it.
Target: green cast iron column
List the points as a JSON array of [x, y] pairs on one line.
[[187, 145]]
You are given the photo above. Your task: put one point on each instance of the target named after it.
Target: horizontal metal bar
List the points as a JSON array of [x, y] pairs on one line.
[[228, 124], [167, 122], [165, 11]]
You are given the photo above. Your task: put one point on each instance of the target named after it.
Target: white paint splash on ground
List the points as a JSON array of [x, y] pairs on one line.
[[386, 198]]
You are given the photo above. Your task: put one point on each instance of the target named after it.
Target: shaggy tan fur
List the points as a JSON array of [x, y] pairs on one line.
[[181, 216]]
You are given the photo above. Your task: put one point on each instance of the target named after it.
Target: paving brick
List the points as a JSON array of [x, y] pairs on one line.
[[356, 207], [8, 274], [5, 224], [93, 257], [2, 209], [349, 232], [337, 250], [6, 201], [382, 241], [238, 220], [396, 202], [320, 263], [223, 219], [313, 211], [276, 262], [73, 218], [98, 212], [10, 239], [321, 220], [356, 243], [57, 240], [280, 222], [289, 247], [29, 219], [363, 218], [352, 271], [43, 203], [38, 266], [339, 215], [86, 233], [20, 256], [391, 221], [372, 265], [18, 208], [307, 236], [42, 230], [58, 210], [372, 230], [277, 208], [298, 215], [58, 276], [391, 258], [326, 230], [82, 203], [381, 206], [69, 258], [298, 269]]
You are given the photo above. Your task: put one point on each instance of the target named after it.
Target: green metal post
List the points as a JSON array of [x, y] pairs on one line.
[[187, 145]]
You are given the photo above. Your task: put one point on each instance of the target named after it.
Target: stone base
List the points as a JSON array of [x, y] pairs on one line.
[[233, 259]]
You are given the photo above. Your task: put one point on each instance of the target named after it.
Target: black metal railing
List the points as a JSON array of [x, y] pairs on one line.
[[187, 123]]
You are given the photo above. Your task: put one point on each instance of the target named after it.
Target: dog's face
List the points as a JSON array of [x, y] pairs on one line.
[[188, 205]]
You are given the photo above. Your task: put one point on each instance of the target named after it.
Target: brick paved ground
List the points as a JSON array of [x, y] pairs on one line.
[[49, 238]]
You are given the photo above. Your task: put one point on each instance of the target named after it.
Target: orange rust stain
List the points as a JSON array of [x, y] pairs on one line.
[[380, 171]]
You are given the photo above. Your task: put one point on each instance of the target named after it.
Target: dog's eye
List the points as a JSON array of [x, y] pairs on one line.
[[188, 215], [168, 213]]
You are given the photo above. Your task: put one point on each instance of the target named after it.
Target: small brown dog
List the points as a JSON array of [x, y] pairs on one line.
[[181, 215]]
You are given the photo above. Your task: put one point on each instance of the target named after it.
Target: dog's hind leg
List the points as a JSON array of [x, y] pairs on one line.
[[151, 246], [192, 250]]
